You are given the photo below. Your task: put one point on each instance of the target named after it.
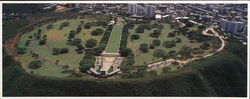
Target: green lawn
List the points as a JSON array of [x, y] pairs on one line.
[[146, 58], [57, 39], [50, 70], [159, 70], [115, 37]]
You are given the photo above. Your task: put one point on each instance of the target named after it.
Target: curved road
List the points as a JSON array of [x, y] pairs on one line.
[[215, 33]]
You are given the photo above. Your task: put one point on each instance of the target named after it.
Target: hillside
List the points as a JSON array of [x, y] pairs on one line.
[[224, 74], [224, 77]]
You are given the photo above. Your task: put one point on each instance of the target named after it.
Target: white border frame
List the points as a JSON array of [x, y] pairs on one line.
[[189, 2]]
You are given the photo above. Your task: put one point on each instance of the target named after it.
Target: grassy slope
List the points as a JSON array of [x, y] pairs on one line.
[[115, 37]]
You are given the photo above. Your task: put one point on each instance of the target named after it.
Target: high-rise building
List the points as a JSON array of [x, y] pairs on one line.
[[132, 8], [231, 26], [150, 11], [245, 30], [140, 10]]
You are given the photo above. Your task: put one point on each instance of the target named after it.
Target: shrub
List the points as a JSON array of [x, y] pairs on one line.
[[35, 64], [21, 51]]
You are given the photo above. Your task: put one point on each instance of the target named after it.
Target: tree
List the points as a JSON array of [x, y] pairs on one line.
[[39, 31], [151, 46], [171, 34], [71, 34], [42, 42], [87, 26], [76, 41], [178, 40], [144, 47], [27, 43], [185, 51], [90, 43], [21, 51], [205, 46], [135, 37], [125, 51], [64, 50], [50, 26], [169, 44], [159, 53], [55, 51], [79, 47], [152, 73], [63, 24], [156, 42], [35, 64], [156, 33], [210, 32], [98, 31], [87, 62], [166, 69], [139, 29], [142, 68], [102, 46]]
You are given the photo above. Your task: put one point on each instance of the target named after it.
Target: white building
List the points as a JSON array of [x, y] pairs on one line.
[[245, 30], [231, 26], [150, 11], [158, 17], [132, 8]]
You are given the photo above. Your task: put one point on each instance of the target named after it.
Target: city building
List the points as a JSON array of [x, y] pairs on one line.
[[158, 17], [140, 10], [150, 11], [132, 8], [231, 26]]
